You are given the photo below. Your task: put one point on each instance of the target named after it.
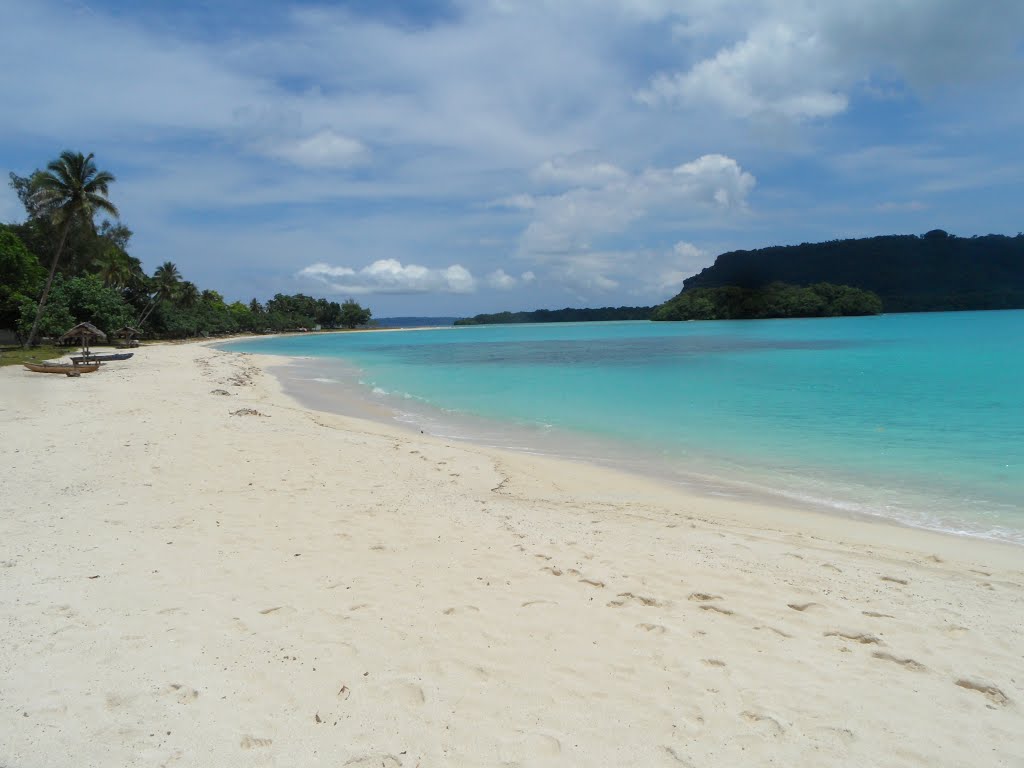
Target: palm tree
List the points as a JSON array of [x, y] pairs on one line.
[[117, 269], [166, 280], [188, 295], [69, 190]]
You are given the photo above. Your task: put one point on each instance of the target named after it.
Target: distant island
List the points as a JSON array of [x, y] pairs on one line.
[[412, 322], [934, 272], [566, 315], [909, 273]]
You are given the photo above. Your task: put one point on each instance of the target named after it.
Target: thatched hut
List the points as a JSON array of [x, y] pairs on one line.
[[84, 333], [128, 335]]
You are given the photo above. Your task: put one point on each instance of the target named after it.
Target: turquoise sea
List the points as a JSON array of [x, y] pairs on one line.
[[915, 418]]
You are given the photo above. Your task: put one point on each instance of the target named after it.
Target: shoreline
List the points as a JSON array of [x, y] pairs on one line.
[[773, 510], [234, 579], [353, 399]]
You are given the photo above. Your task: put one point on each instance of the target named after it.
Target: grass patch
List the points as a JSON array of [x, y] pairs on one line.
[[17, 355]]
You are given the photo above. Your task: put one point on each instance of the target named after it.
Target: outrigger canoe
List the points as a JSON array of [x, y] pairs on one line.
[[65, 368], [88, 359]]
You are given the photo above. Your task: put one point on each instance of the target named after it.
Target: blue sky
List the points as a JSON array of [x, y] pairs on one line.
[[449, 158]]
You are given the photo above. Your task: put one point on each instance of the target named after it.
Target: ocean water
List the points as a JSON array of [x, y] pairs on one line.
[[916, 418]]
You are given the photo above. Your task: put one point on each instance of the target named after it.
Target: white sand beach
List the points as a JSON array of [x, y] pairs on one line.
[[183, 583]]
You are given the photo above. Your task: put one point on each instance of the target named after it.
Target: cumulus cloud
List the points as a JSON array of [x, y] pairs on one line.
[[802, 61], [777, 69], [390, 276], [503, 281], [325, 149], [647, 275], [666, 273], [573, 222]]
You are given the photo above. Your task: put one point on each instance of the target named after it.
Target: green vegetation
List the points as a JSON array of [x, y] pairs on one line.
[[69, 191], [20, 275], [773, 300], [19, 355], [934, 272], [567, 315], [93, 277]]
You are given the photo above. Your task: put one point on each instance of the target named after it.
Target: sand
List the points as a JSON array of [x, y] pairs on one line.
[[197, 571]]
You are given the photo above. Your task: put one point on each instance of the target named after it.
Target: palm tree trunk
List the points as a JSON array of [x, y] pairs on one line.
[[49, 282], [148, 310]]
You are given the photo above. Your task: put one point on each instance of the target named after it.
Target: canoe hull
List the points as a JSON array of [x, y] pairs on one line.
[[102, 358], [64, 368]]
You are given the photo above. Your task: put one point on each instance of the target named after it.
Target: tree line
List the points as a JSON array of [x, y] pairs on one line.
[[771, 301], [566, 315], [93, 277]]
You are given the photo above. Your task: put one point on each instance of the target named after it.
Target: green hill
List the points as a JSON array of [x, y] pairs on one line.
[[933, 272]]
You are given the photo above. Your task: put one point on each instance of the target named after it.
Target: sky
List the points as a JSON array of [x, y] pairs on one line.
[[452, 157]]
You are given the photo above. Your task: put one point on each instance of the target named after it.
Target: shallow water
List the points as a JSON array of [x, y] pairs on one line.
[[915, 418]]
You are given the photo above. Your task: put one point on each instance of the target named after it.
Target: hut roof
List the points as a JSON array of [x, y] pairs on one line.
[[127, 331], [82, 330]]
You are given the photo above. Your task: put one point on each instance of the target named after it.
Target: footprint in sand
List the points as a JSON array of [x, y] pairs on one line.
[[801, 607], [373, 761], [625, 597], [990, 692], [778, 632], [905, 663], [858, 637], [703, 597], [895, 580], [716, 609], [253, 742], [656, 629], [182, 693], [677, 757], [462, 609], [761, 719]]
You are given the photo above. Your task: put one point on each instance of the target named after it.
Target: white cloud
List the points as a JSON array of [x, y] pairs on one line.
[[588, 274], [665, 275], [776, 70], [503, 281], [573, 221], [325, 149], [803, 61], [649, 276], [390, 276], [575, 173]]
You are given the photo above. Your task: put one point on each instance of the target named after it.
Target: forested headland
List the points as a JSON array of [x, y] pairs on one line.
[[909, 273], [60, 267], [770, 301]]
